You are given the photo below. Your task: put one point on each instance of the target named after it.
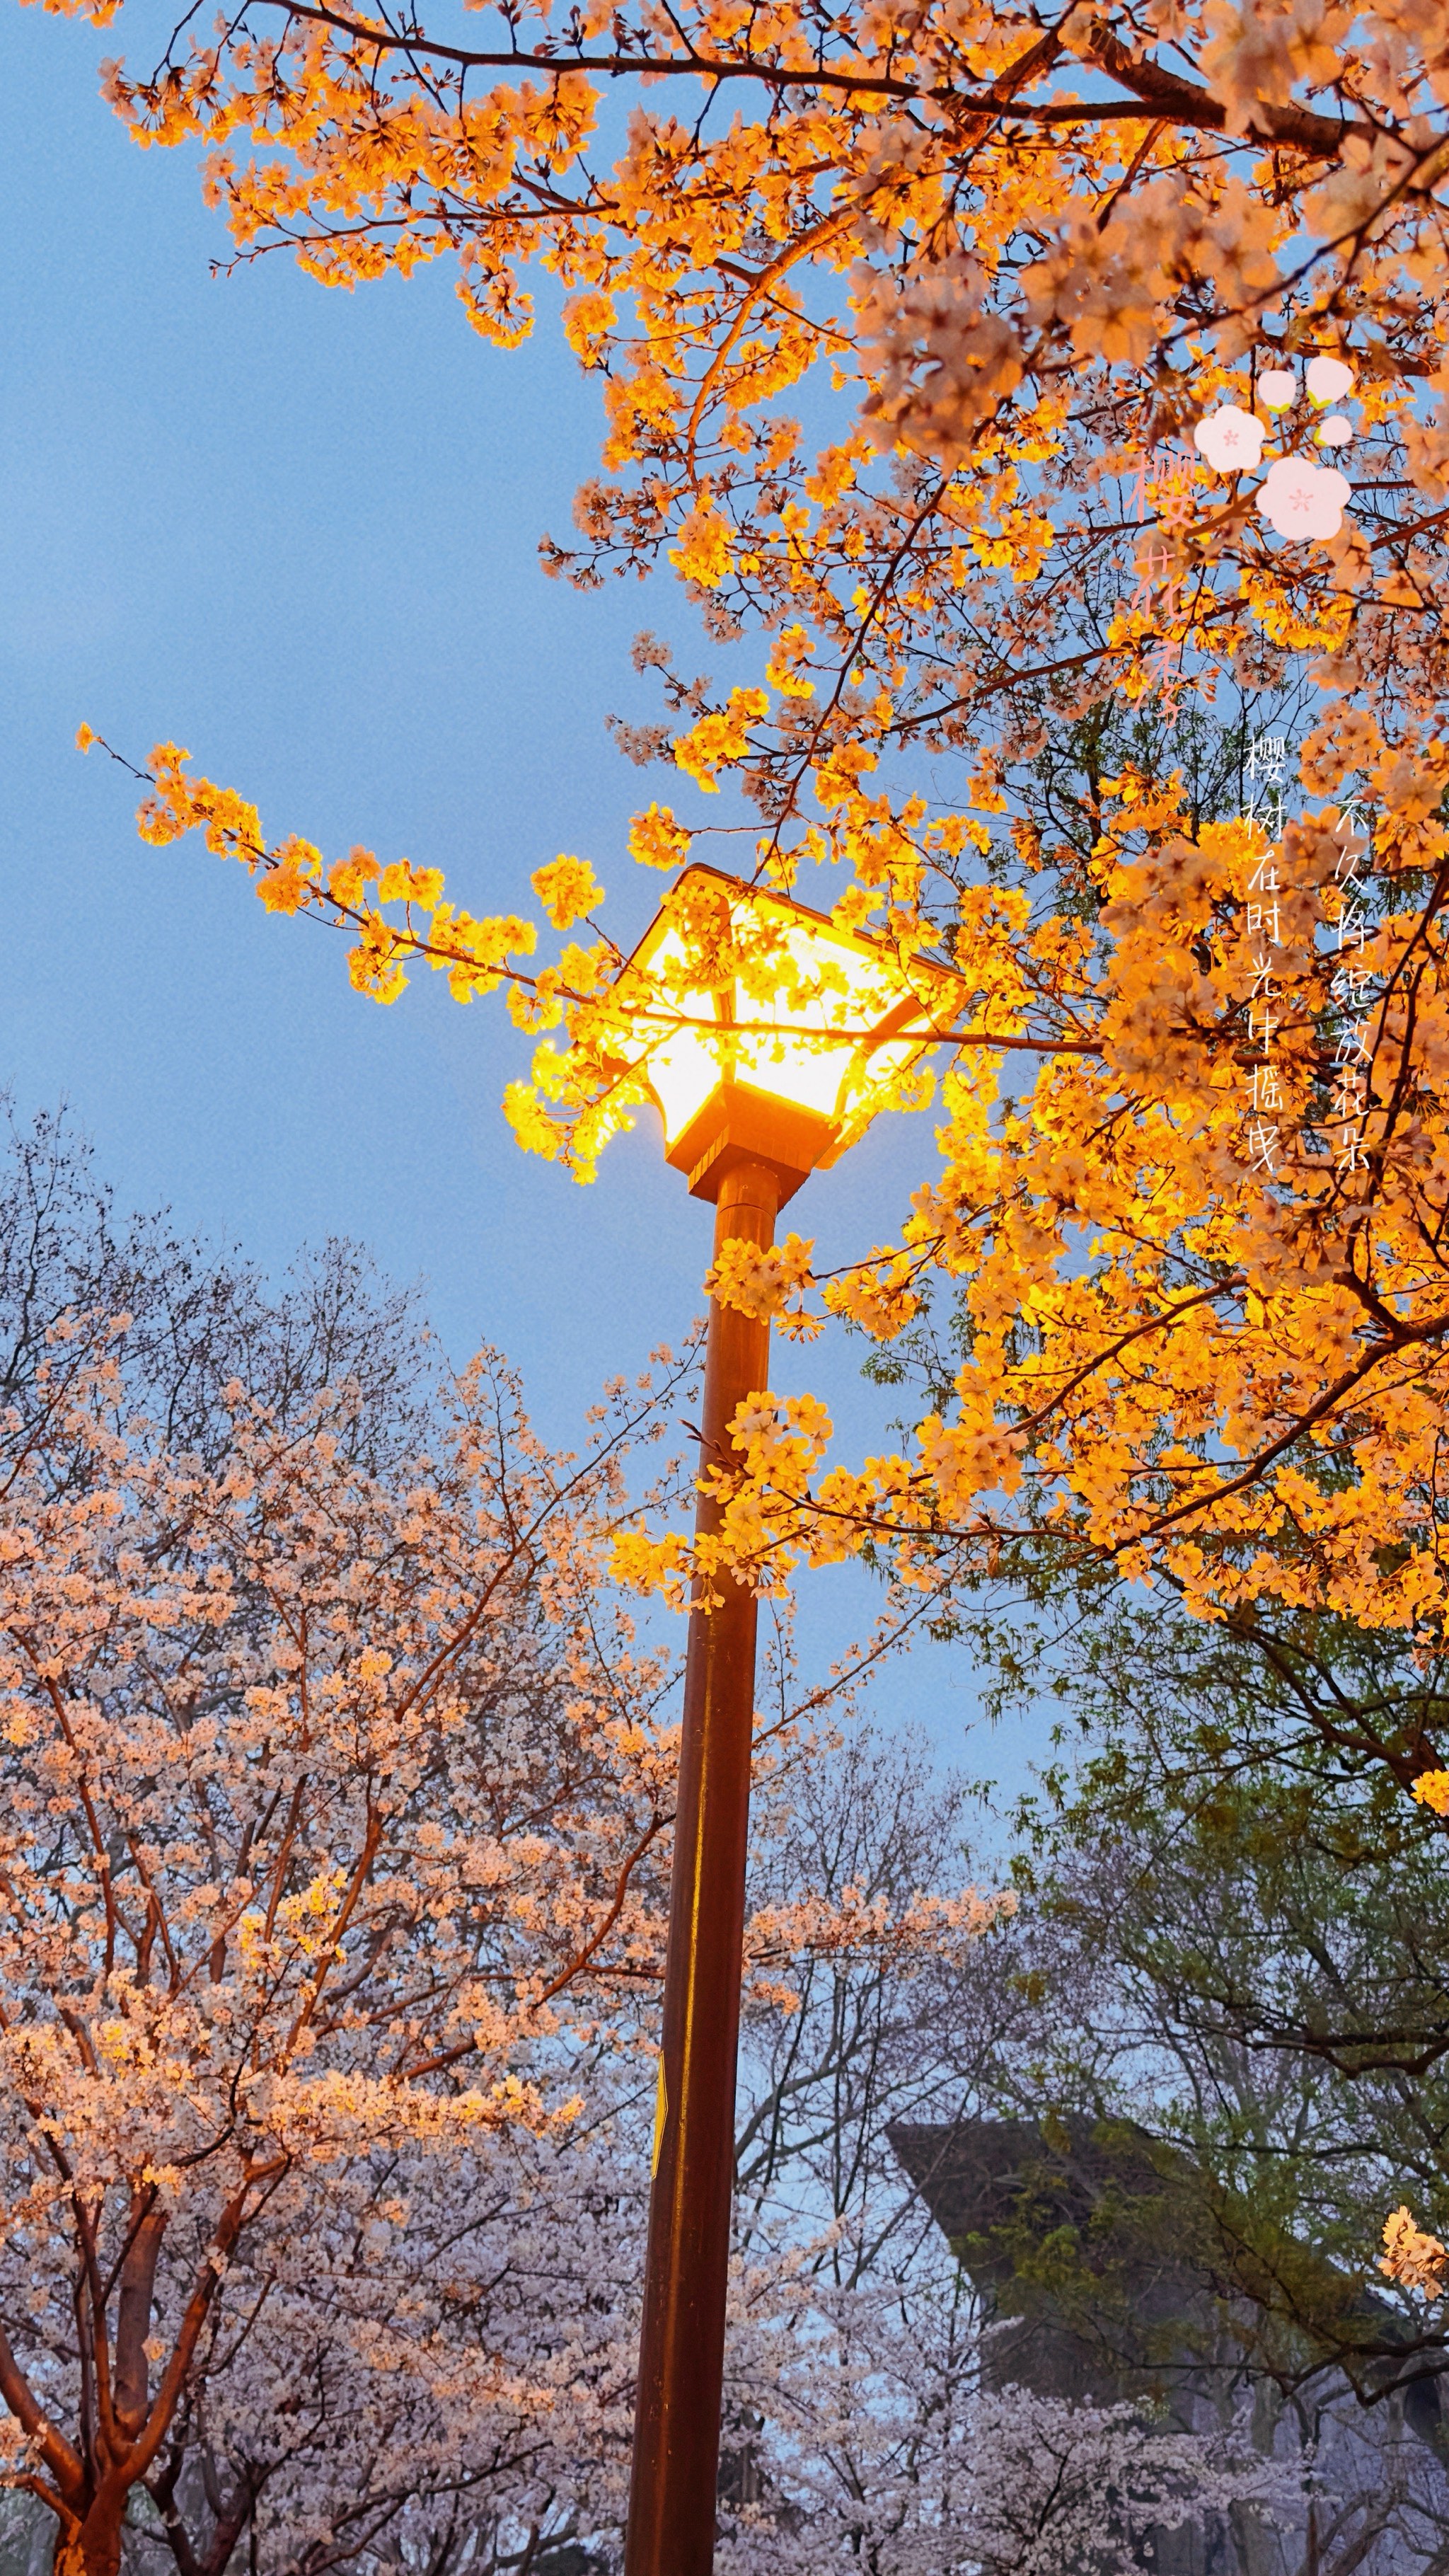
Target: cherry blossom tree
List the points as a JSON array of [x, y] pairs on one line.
[[921, 2471], [200, 1316], [334, 1810], [1080, 301], [330, 1934]]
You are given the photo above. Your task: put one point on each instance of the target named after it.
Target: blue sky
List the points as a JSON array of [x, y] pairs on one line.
[[295, 530]]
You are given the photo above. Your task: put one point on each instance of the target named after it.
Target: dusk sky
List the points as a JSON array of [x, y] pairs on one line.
[[296, 531]]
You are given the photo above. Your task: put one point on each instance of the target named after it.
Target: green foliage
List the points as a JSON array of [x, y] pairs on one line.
[[1239, 1930]]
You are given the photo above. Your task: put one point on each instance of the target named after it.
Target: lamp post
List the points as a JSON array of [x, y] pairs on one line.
[[779, 1056]]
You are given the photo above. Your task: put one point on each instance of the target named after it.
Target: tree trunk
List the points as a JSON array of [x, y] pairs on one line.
[[93, 2547]]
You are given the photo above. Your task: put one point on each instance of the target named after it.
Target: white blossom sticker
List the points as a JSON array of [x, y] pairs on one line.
[[1296, 497], [1303, 500], [1230, 439], [1328, 381]]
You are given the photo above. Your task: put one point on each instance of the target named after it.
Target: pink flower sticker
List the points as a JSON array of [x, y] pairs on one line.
[[1329, 380], [1277, 389], [1302, 500], [1334, 432], [1230, 439]]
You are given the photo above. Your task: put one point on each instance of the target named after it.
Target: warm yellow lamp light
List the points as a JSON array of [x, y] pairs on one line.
[[814, 1024]]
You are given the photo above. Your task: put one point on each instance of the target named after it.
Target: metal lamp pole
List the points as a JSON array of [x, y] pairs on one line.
[[753, 1097], [681, 2355]]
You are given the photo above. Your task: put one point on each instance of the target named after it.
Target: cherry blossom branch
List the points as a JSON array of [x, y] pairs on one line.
[[1113, 1350], [1167, 95], [224, 2237], [336, 1931], [1152, 92], [62, 2461], [566, 1976], [1404, 1336]]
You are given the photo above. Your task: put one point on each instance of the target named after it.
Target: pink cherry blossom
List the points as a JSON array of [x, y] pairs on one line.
[[1230, 439], [1276, 389], [1329, 380], [1334, 432], [1303, 500]]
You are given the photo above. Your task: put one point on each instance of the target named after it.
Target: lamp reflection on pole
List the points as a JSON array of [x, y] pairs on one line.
[[778, 1057]]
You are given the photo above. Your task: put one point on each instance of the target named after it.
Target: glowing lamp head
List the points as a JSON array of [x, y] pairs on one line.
[[772, 1036]]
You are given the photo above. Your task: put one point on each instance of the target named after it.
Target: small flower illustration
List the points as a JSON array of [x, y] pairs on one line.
[[1334, 432], [1230, 439], [1277, 390], [1329, 380], [1303, 500]]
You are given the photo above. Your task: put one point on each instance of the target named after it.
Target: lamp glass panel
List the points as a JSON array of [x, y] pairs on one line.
[[785, 1046], [883, 1063], [682, 1068], [781, 1043]]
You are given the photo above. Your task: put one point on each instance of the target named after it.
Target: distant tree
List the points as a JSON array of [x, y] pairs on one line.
[[925, 2471], [200, 1318], [866, 2423]]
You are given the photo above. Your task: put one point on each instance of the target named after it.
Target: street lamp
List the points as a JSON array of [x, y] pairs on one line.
[[780, 1038]]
